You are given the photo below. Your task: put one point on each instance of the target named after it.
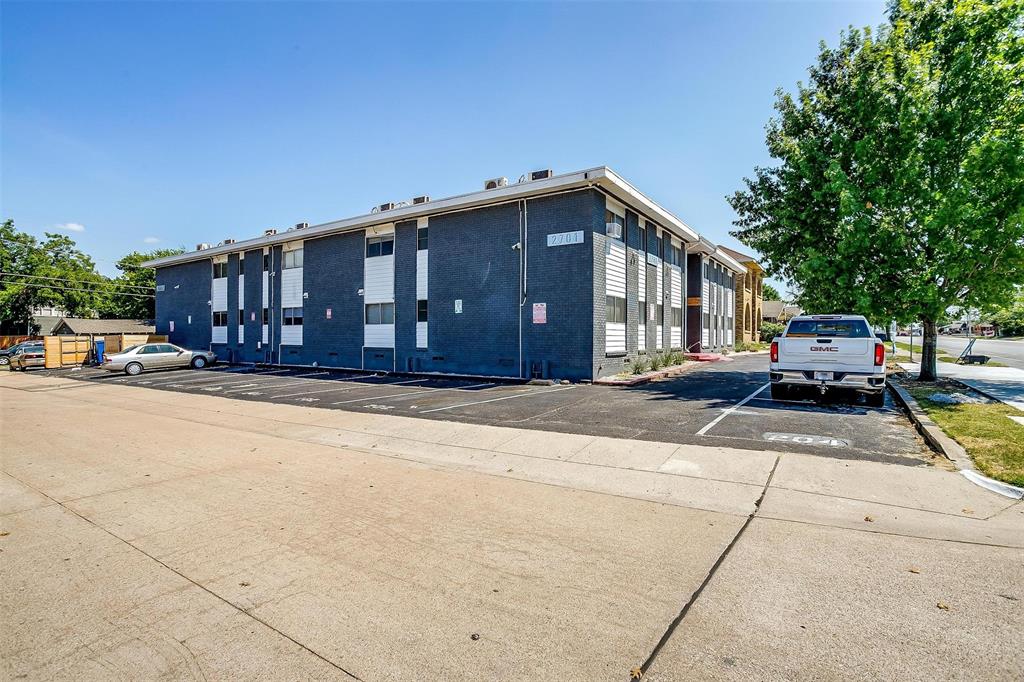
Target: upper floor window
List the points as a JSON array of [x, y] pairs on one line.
[[677, 255], [241, 266], [220, 318], [643, 239], [292, 317], [380, 313], [421, 310], [266, 262], [220, 270], [614, 225], [380, 246], [292, 259], [421, 239]]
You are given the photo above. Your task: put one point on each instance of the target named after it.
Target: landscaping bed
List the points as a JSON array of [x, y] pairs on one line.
[[981, 425]]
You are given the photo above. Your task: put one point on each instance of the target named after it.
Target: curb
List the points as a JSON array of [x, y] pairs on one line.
[[649, 376], [949, 448]]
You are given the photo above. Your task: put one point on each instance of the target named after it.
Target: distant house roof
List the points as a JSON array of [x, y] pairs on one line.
[[46, 323], [80, 325], [741, 257], [777, 309]]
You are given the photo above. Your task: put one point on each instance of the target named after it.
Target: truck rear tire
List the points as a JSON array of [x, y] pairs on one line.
[[780, 392], [876, 399]]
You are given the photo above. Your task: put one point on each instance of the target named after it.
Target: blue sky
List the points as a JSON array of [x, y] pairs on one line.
[[141, 125]]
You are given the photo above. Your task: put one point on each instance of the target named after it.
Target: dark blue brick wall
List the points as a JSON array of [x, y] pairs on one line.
[[186, 292], [253, 303], [275, 312], [405, 298], [563, 278], [332, 275]]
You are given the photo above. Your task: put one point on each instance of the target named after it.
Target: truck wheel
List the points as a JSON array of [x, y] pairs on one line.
[[780, 392], [133, 369], [876, 399]]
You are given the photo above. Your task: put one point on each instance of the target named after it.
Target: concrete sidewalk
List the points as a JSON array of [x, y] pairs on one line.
[[159, 534], [1005, 384]]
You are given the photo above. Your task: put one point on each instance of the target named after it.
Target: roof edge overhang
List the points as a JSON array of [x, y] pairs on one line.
[[602, 177], [728, 261]]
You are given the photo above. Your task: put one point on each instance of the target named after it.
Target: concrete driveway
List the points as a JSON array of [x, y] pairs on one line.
[[158, 534]]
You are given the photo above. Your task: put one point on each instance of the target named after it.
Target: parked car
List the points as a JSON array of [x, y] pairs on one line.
[[6, 353], [27, 355], [828, 352], [135, 359]]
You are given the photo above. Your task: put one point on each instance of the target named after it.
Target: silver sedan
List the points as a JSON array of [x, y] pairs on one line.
[[146, 356]]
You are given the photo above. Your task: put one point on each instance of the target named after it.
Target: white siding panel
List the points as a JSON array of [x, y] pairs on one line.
[[291, 335], [659, 285], [705, 296], [379, 335], [615, 337], [615, 268], [705, 338], [241, 333], [220, 335], [241, 291], [421, 334], [219, 295], [266, 292], [641, 337], [677, 287], [658, 337], [642, 279], [379, 280], [421, 274], [291, 288], [677, 337], [266, 333]]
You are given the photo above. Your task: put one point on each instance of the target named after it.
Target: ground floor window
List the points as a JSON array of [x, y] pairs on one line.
[[266, 316], [421, 310], [220, 319], [241, 317], [380, 313], [661, 314], [677, 317], [292, 317], [616, 310]]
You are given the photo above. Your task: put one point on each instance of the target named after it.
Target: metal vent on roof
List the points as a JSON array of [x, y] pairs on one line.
[[495, 183], [420, 200], [301, 226], [228, 241], [269, 233], [202, 247], [386, 207], [541, 174]]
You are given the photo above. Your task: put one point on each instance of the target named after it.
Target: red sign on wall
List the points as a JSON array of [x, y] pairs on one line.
[[540, 313]]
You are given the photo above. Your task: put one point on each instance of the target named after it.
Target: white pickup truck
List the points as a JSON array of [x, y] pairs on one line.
[[828, 352]]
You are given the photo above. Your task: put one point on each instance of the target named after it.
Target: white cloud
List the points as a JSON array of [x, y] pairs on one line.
[[70, 227], [151, 240]]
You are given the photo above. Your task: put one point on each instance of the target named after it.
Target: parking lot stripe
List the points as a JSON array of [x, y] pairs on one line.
[[494, 400], [423, 391], [728, 411], [272, 387], [322, 390]]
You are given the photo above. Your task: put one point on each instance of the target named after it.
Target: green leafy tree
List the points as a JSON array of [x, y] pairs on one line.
[[1008, 318], [899, 184], [51, 272], [132, 291], [770, 293]]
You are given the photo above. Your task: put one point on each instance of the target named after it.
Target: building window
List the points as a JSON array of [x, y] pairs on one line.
[[421, 310], [677, 255], [380, 313], [614, 226], [292, 317], [241, 317], [616, 310], [661, 313], [241, 266], [220, 270], [707, 320], [292, 259], [643, 239], [220, 319], [266, 316], [266, 262], [421, 239], [380, 246], [677, 317]]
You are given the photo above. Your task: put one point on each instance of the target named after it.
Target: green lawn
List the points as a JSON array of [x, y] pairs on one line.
[[994, 442]]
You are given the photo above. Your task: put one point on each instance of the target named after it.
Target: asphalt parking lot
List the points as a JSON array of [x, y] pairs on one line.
[[725, 404]]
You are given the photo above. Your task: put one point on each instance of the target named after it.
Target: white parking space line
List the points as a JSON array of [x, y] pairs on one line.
[[164, 380], [494, 400], [333, 389], [311, 384], [730, 410], [423, 391]]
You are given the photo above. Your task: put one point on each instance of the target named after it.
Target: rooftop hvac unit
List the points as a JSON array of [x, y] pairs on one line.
[[269, 233], [495, 183], [613, 230], [386, 207], [420, 200], [301, 226], [541, 174], [202, 247], [228, 241]]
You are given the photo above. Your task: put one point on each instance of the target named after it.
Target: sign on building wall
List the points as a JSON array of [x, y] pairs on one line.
[[458, 306], [540, 313], [170, 326], [328, 313], [565, 238]]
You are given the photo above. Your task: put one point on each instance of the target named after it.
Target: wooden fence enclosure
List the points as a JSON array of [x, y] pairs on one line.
[[74, 351]]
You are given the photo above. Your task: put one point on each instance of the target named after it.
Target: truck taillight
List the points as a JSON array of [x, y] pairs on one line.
[[775, 351], [879, 354]]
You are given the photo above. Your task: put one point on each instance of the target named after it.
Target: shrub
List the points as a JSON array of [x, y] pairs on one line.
[[639, 365], [657, 361], [769, 330]]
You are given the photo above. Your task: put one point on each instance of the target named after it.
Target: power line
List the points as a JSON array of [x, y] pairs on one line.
[[88, 291], [77, 281], [39, 247]]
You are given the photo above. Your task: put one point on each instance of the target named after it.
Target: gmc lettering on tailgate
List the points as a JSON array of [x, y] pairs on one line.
[[824, 349]]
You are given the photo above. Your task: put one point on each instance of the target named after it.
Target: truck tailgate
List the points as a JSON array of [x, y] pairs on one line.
[[837, 353]]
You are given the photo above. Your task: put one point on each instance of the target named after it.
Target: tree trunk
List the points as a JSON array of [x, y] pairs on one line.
[[928, 370]]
